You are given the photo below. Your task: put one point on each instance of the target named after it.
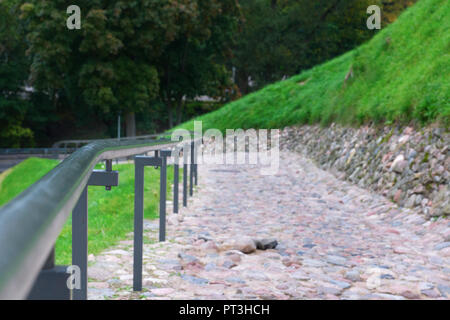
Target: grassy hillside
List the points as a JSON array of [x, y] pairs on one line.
[[399, 76], [17, 179], [110, 212]]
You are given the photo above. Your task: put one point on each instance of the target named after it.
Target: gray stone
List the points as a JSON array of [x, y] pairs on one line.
[[204, 236], [411, 201], [426, 286], [113, 281], [186, 257], [210, 266], [399, 164], [340, 284], [168, 261], [266, 244], [444, 290], [101, 293], [388, 296], [244, 244], [352, 275], [431, 293], [313, 263], [300, 275], [235, 280], [336, 260], [194, 280], [447, 237], [148, 295], [329, 290], [229, 264], [441, 246], [98, 273], [412, 154], [256, 275]]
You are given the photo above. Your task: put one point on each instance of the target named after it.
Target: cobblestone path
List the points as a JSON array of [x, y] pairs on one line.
[[335, 241]]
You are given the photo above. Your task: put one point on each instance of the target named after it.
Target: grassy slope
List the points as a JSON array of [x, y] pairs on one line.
[[401, 75], [22, 176], [110, 212]]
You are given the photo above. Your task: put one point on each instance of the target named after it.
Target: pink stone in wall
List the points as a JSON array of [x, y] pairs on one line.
[[398, 196]]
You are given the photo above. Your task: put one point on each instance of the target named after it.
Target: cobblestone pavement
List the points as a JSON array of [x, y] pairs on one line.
[[335, 241]]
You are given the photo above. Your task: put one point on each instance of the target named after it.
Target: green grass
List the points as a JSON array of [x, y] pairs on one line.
[[110, 212], [400, 76], [22, 176]]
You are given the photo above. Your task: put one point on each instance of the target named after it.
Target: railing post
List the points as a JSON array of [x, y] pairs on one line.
[[176, 178], [163, 195], [195, 163], [52, 282], [191, 171], [159, 160], [138, 224], [107, 179], [80, 243], [185, 174]]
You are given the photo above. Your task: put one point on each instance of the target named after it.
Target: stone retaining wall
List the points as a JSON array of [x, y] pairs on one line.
[[409, 166]]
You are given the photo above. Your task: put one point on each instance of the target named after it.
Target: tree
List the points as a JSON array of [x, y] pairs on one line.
[[194, 63], [107, 65], [13, 75], [393, 8], [283, 37]]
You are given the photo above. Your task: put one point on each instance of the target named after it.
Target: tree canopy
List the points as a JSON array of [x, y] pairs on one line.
[[283, 37], [108, 64], [13, 74], [152, 57], [194, 63]]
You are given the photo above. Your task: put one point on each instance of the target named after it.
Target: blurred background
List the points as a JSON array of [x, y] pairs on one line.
[[157, 63]]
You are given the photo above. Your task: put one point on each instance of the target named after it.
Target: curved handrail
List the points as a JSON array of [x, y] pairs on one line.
[[31, 223], [32, 151], [63, 143]]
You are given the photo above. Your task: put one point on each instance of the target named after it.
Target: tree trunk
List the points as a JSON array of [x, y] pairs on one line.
[[179, 110], [130, 124], [242, 82], [170, 113], [274, 4]]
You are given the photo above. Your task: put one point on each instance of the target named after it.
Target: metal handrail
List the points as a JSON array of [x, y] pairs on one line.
[[60, 147], [63, 143], [33, 151], [30, 223]]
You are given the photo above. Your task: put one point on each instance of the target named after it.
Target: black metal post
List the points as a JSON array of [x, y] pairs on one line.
[[191, 171], [196, 163], [138, 225], [185, 175], [176, 178], [160, 160], [80, 243], [52, 283], [107, 179], [163, 195], [108, 168]]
